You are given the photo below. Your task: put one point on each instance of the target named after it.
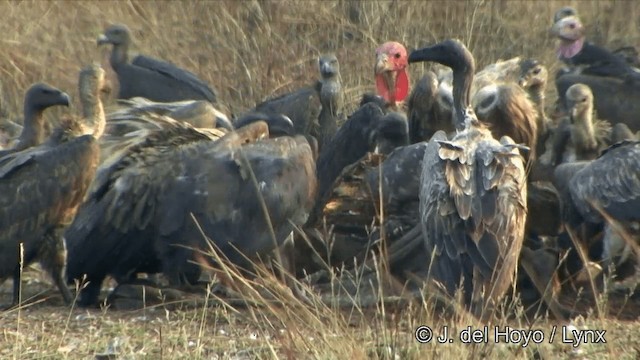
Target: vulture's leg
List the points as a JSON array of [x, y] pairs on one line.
[[287, 269], [481, 299], [53, 255]]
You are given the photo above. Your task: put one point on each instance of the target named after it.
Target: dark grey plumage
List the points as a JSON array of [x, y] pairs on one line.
[[352, 141], [42, 186], [143, 217], [391, 133], [611, 182], [314, 110], [150, 78], [472, 196], [428, 110]]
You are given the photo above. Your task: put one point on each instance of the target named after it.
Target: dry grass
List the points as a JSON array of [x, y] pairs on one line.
[[249, 50]]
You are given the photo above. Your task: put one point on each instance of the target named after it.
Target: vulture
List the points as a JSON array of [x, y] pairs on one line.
[[150, 78], [142, 216], [392, 78], [575, 51], [580, 136], [608, 185], [38, 98], [345, 201], [315, 109], [473, 201], [614, 99], [42, 186]]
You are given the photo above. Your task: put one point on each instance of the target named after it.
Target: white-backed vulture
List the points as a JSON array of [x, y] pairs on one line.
[[473, 200]]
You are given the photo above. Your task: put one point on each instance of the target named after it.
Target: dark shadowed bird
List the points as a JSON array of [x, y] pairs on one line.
[[428, 109], [42, 186], [314, 109], [603, 191], [38, 98], [150, 78], [345, 202], [472, 196], [140, 209]]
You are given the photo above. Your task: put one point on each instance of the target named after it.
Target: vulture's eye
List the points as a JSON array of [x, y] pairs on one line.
[[536, 71], [584, 99], [572, 26], [397, 55]]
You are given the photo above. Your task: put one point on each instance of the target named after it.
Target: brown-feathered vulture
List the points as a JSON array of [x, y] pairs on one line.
[[42, 186], [473, 202], [138, 214], [150, 78]]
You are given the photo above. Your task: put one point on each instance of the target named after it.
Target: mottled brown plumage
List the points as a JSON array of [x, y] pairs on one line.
[[42, 187]]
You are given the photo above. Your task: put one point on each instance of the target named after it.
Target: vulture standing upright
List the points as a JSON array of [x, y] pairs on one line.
[[150, 78], [473, 200], [42, 186]]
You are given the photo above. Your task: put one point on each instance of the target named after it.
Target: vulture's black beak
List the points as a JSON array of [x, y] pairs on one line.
[[424, 54]]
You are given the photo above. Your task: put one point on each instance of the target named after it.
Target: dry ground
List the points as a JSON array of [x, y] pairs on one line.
[[249, 50]]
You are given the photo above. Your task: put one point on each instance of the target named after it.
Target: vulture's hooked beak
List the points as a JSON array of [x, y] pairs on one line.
[[382, 64], [65, 99], [103, 39], [421, 55]]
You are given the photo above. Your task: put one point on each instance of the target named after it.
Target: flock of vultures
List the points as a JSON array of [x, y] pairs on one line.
[[461, 179]]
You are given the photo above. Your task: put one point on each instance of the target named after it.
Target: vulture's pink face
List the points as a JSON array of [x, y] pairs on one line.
[[392, 80]]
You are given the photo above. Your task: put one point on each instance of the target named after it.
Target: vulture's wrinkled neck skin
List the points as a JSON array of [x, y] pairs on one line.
[[33, 128]]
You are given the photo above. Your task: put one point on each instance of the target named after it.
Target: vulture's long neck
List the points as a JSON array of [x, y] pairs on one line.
[[93, 113], [32, 129], [462, 79], [119, 55], [330, 92], [584, 122]]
